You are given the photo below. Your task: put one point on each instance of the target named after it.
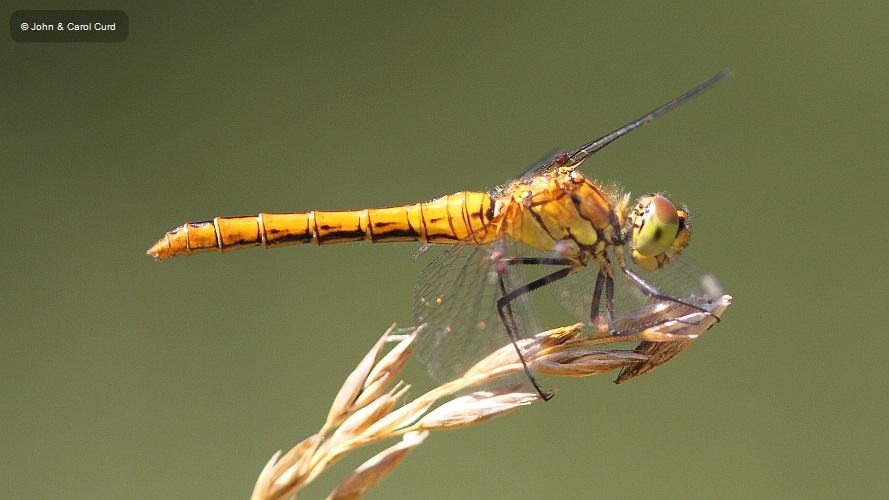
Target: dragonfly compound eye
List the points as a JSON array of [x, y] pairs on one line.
[[659, 232]]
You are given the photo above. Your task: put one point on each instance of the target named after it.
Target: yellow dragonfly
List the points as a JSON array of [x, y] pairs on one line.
[[552, 217]]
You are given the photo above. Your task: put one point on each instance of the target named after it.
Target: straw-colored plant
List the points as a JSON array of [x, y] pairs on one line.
[[372, 407]]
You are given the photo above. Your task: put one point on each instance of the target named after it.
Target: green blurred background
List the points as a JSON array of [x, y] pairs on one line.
[[123, 377]]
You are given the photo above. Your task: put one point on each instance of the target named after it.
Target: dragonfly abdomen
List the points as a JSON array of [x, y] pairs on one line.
[[448, 219]]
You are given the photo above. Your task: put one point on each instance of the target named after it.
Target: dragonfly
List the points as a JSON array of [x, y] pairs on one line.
[[574, 232]]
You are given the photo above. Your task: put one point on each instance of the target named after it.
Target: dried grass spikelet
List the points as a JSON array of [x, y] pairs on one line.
[[371, 407]]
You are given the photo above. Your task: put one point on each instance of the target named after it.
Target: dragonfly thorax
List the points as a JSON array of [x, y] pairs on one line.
[[564, 212]]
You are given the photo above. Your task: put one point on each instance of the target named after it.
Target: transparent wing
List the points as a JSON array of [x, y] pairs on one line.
[[577, 156], [456, 298], [544, 164]]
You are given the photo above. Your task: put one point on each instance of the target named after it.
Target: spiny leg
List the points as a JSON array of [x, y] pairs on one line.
[[652, 291], [638, 328], [604, 280], [509, 320], [504, 309], [609, 300], [597, 297]]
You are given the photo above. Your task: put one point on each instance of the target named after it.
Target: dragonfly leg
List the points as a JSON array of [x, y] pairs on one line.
[[609, 301], [597, 297], [652, 291], [504, 309], [604, 280], [638, 328]]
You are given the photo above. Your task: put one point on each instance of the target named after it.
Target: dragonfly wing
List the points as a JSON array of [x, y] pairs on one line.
[[546, 163], [456, 299]]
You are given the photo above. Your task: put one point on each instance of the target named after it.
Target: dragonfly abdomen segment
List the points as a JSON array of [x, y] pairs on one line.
[[448, 219]]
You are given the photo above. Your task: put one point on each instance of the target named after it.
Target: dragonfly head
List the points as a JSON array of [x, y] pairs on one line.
[[658, 230]]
